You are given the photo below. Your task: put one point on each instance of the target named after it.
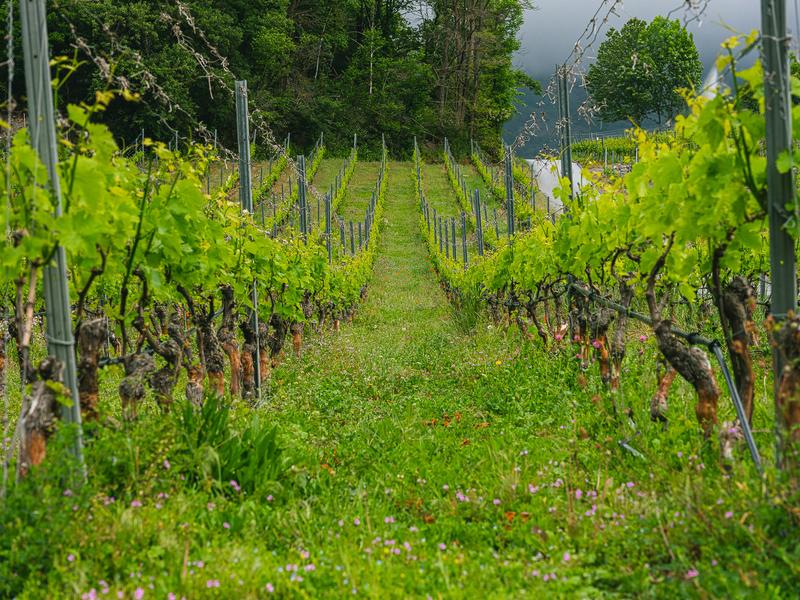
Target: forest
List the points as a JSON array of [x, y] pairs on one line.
[[441, 68]]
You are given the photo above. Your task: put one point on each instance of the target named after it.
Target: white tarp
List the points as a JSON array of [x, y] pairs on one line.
[[548, 173]]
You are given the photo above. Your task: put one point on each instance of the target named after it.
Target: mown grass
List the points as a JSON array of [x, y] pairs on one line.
[[418, 461], [354, 205]]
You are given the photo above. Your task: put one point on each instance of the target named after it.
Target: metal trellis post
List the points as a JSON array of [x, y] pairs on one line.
[[60, 341], [780, 186], [246, 199]]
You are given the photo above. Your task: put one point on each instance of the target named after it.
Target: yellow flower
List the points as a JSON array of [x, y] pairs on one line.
[[498, 362]]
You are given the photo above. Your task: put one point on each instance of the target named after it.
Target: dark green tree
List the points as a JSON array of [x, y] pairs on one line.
[[641, 69], [338, 66]]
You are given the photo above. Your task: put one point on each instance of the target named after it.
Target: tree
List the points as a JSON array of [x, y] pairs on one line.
[[641, 69]]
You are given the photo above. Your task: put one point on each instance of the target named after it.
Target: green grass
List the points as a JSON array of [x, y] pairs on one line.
[[417, 461], [326, 174], [359, 191]]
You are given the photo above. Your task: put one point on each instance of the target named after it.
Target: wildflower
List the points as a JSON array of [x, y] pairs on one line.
[[578, 494], [138, 594], [166, 464], [597, 344], [496, 501], [630, 484], [691, 574], [226, 525], [171, 596], [270, 588], [210, 506], [442, 547], [235, 485], [642, 338], [71, 557], [388, 520], [68, 493], [445, 487], [270, 498], [498, 362], [356, 521], [135, 504], [729, 514], [310, 567], [341, 523], [559, 337], [566, 557]]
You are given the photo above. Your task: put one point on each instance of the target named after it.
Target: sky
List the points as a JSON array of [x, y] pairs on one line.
[[550, 32]]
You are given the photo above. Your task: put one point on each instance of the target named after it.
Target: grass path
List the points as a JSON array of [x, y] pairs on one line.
[[359, 191], [399, 407]]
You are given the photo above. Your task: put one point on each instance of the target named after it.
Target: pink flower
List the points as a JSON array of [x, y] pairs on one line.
[[566, 557], [729, 514], [68, 493], [559, 337], [642, 338], [496, 501], [356, 521], [270, 498], [597, 344], [135, 504], [166, 464], [270, 588], [442, 547], [226, 525], [235, 485], [578, 494], [70, 557], [171, 596], [138, 594], [691, 574], [388, 520]]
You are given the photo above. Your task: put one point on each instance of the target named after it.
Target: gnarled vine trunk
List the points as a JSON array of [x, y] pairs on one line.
[[659, 403], [618, 339], [38, 413], [132, 388], [786, 338], [278, 330], [230, 344], [92, 335], [738, 305], [213, 356]]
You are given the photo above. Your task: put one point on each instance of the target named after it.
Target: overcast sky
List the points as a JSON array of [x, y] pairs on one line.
[[550, 32]]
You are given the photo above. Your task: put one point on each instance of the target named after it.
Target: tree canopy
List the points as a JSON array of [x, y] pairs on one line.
[[401, 67], [641, 68]]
